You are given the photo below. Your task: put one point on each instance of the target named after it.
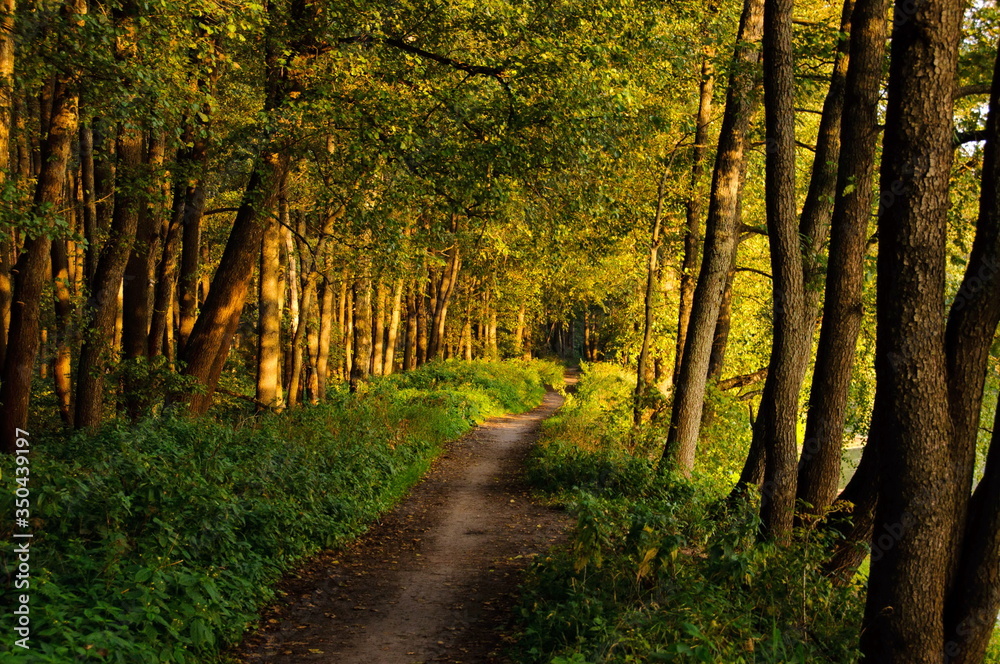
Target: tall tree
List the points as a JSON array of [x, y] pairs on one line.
[[102, 309], [905, 604], [819, 467], [269, 321], [31, 269], [779, 404], [693, 207], [721, 235]]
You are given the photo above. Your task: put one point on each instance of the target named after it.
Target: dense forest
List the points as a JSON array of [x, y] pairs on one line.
[[769, 231]]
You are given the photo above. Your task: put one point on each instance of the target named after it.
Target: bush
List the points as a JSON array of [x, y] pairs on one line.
[[159, 542], [659, 569]]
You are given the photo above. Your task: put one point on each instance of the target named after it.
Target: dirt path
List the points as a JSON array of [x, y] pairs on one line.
[[436, 579]]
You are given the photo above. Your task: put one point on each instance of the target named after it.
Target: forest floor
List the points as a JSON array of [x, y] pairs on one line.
[[436, 579]]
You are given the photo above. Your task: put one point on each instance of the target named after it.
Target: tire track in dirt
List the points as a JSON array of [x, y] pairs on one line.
[[436, 579]]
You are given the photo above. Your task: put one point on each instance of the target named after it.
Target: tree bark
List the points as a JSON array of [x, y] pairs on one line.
[[378, 330], [905, 604], [208, 345], [723, 324], [692, 230], [88, 181], [642, 379], [31, 271], [269, 320], [166, 274], [139, 276], [7, 104], [327, 321], [189, 277], [778, 413], [103, 307], [819, 466], [393, 331], [362, 330], [974, 577], [439, 314], [721, 235], [410, 348], [62, 358]]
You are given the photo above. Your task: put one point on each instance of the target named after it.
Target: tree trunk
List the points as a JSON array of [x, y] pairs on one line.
[[139, 277], [7, 102], [778, 411], [327, 321], [439, 314], [974, 583], [90, 219], [642, 380], [378, 330], [813, 230], [187, 282], [905, 604], [166, 274], [721, 236], [692, 230], [819, 466], [31, 271], [269, 320], [208, 345], [723, 324], [491, 335], [362, 330], [393, 331], [410, 349], [103, 307], [62, 358]]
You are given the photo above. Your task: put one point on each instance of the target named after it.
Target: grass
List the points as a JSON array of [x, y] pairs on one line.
[[659, 569], [159, 542]]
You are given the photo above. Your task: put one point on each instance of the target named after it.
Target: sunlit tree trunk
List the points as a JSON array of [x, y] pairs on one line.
[[378, 330], [412, 313], [32, 267], [62, 358], [7, 36], [439, 314], [327, 323], [362, 330], [642, 372], [721, 236], [392, 334], [692, 229], [813, 229], [269, 320]]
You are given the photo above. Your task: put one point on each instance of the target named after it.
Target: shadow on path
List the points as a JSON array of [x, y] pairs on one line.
[[436, 579]]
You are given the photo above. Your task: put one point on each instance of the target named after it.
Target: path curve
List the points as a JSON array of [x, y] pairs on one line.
[[435, 580]]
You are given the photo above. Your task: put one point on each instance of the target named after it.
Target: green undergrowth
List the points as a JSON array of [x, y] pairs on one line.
[[659, 568], [160, 541]]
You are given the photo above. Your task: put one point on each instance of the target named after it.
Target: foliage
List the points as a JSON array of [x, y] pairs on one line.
[[159, 542], [659, 569]]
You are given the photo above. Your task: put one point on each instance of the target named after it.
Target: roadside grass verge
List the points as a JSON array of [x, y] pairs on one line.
[[659, 568], [159, 542]]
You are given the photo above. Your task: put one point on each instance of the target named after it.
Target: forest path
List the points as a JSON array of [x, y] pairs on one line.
[[435, 580]]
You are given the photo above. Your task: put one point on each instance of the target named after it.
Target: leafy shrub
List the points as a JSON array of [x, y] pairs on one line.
[[659, 569], [159, 542]]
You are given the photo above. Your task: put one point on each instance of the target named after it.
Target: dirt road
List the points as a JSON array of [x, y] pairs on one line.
[[436, 579]]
